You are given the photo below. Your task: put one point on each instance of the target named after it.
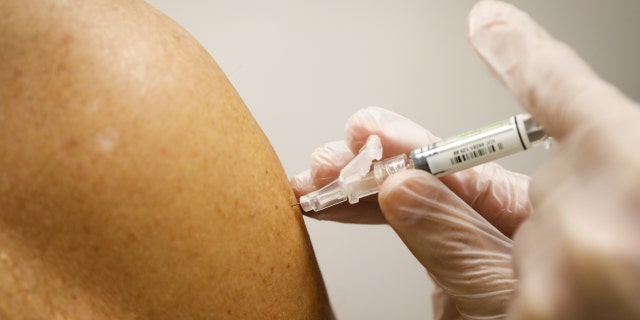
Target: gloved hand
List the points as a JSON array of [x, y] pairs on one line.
[[577, 257], [457, 227]]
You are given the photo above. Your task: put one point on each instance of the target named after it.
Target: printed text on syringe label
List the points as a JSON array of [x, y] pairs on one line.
[[493, 146], [475, 151]]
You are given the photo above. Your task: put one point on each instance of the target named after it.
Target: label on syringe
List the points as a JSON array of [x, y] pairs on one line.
[[475, 151], [470, 149]]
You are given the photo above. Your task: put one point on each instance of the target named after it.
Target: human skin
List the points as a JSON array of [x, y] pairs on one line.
[[134, 183]]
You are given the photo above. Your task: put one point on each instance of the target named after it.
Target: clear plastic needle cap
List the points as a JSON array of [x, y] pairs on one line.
[[355, 181]]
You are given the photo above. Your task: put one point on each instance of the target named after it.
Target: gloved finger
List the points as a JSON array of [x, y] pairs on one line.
[[497, 194], [326, 163], [549, 79], [302, 183], [586, 267], [397, 134], [468, 257]]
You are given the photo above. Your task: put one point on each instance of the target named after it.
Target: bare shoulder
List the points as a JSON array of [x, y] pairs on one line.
[[134, 183]]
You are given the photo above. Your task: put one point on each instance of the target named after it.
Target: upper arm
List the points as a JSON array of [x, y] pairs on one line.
[[133, 180]]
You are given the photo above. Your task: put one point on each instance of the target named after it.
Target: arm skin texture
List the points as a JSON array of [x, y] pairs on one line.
[[134, 183]]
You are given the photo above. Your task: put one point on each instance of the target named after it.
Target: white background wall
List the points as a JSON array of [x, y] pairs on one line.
[[304, 66]]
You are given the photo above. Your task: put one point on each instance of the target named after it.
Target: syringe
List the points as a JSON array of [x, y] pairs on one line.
[[363, 177]]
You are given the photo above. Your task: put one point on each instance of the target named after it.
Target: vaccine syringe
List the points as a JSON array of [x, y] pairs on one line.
[[365, 173]]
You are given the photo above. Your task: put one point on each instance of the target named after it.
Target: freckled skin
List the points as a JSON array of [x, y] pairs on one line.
[[126, 157]]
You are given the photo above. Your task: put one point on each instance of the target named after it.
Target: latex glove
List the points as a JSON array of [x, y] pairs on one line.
[[457, 227], [578, 257]]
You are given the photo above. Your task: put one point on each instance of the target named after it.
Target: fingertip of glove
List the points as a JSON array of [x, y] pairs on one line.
[[302, 183], [398, 133], [361, 124], [335, 153], [367, 115], [485, 13], [502, 35], [327, 161]]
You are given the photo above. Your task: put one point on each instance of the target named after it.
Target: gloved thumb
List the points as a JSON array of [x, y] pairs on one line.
[[467, 256]]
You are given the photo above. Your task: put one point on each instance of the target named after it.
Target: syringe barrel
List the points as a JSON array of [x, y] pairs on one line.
[[492, 142]]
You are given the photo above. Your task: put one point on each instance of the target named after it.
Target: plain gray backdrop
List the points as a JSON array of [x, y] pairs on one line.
[[304, 66]]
